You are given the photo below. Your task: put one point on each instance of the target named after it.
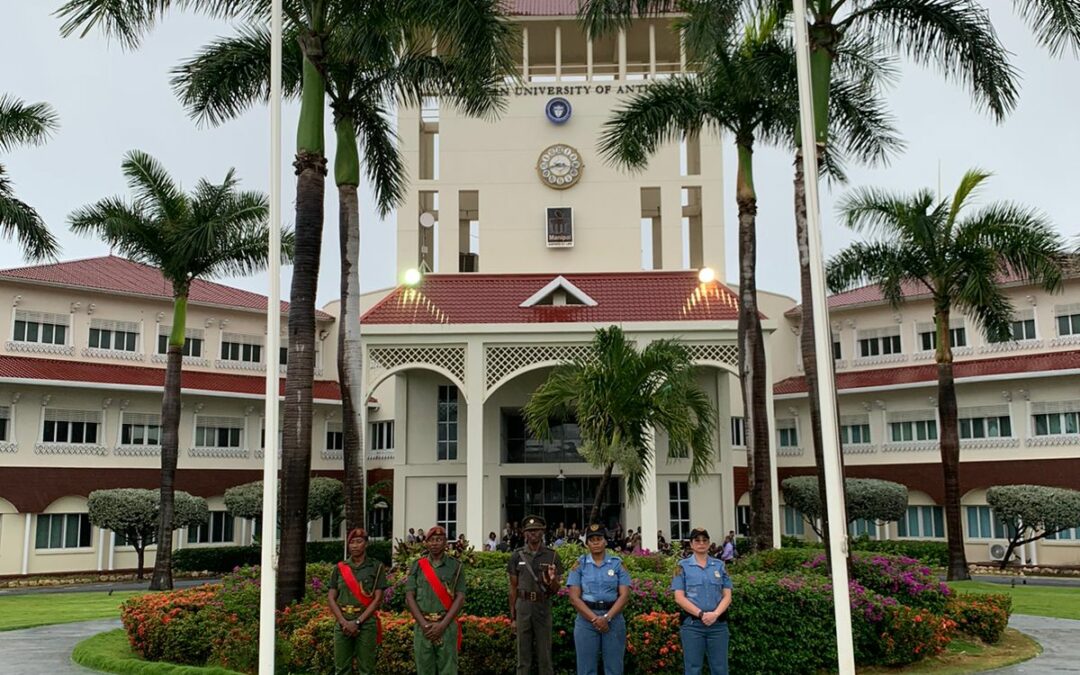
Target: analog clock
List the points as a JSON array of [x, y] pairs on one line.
[[559, 166]]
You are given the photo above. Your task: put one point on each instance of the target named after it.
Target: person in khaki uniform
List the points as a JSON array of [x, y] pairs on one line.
[[356, 591], [535, 573], [434, 594]]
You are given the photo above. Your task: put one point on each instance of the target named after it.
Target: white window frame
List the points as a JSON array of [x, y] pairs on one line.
[[41, 319], [192, 336], [99, 426], [114, 328], [790, 425], [444, 502], [926, 424], [381, 435], [738, 432], [447, 450], [794, 521], [921, 522], [249, 349], [63, 532], [201, 418], [847, 437], [993, 524], [678, 497], [7, 424], [337, 443], [145, 424], [195, 532]]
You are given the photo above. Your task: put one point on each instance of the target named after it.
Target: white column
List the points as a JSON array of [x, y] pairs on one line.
[[111, 543], [26, 544], [524, 56], [588, 59], [774, 475], [622, 54], [652, 50], [727, 458], [558, 52], [401, 453], [101, 549], [474, 443], [649, 521], [363, 459]]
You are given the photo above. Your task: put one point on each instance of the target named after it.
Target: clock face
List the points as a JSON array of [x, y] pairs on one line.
[[559, 166]]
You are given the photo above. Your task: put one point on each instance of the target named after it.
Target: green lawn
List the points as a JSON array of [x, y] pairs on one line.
[[42, 609], [110, 653], [1054, 601]]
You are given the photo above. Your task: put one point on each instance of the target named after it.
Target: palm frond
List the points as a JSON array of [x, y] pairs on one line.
[[955, 36], [154, 188], [125, 227], [128, 21], [967, 188], [885, 264], [1056, 23], [603, 17], [383, 164], [665, 112], [25, 123], [860, 124], [1023, 238], [879, 212], [20, 221]]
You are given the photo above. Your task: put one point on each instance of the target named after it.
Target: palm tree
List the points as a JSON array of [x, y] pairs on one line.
[[215, 230], [620, 396], [958, 258], [24, 124], [745, 85], [233, 73], [462, 29]]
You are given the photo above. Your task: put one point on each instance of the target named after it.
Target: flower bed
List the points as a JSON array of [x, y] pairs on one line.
[[781, 622]]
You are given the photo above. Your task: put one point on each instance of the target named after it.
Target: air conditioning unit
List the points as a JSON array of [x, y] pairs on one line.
[[997, 551]]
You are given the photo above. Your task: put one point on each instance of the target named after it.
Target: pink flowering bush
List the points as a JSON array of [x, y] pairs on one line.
[[906, 579]]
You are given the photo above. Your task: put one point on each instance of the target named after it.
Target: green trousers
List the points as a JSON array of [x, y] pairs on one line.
[[436, 659], [361, 648]]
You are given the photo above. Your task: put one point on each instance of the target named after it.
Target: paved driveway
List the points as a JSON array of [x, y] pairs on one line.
[[47, 650], [1060, 640]]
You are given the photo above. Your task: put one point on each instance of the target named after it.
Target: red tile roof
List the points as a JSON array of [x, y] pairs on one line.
[[496, 298], [884, 377], [29, 368], [114, 274]]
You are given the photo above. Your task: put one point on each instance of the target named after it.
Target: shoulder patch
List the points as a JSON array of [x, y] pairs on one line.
[[678, 571]]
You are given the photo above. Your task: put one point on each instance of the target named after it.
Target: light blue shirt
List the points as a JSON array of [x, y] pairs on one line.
[[599, 583], [704, 586]]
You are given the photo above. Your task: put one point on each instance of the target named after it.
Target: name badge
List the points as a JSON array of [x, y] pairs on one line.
[[611, 573], [717, 574]]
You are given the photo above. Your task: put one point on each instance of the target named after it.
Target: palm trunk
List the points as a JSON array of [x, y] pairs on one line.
[[140, 559], [598, 499], [161, 579], [752, 373], [350, 374], [807, 345], [296, 421], [950, 447]]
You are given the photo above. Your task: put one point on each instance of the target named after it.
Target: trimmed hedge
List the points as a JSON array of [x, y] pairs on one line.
[[981, 615], [933, 553], [227, 558]]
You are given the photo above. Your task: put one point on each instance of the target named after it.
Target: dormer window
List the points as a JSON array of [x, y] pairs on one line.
[[559, 292]]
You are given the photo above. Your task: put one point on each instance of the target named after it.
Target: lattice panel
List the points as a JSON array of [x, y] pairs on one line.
[[718, 353], [503, 361], [450, 359]]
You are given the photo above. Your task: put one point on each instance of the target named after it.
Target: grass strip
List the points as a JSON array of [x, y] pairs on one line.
[[110, 652], [45, 609], [1058, 602]]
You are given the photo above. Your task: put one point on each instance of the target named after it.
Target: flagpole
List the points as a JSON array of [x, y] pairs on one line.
[[826, 387], [268, 564]]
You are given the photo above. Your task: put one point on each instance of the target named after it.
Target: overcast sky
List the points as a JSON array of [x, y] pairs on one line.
[[110, 101]]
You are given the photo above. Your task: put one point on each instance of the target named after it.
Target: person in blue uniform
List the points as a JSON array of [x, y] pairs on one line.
[[703, 592], [599, 589]]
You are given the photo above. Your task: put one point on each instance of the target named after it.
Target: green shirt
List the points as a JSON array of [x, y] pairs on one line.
[[370, 574], [449, 571], [536, 561]]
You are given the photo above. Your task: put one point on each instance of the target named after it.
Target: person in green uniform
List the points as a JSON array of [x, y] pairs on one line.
[[357, 630], [535, 573], [435, 607]]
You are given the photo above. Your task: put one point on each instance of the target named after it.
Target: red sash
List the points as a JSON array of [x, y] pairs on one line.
[[440, 592], [354, 587]]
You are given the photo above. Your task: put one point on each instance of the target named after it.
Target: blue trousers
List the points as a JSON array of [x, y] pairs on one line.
[[699, 641], [591, 643]]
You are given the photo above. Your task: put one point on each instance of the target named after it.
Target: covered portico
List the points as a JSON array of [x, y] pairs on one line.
[[484, 342]]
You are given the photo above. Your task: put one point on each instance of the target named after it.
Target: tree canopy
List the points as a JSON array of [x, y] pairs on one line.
[[865, 498], [325, 495], [1032, 512]]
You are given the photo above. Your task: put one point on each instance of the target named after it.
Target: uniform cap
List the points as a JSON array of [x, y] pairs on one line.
[[699, 532], [595, 530], [438, 529], [534, 523], [357, 532]]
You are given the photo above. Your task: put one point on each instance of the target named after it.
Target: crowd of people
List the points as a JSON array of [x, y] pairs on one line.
[[598, 589]]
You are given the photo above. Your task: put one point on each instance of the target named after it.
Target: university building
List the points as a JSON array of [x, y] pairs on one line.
[[520, 242]]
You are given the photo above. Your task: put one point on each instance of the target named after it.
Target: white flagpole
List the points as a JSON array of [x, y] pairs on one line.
[[826, 388], [268, 569]]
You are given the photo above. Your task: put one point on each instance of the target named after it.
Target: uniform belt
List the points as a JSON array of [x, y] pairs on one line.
[[531, 596], [434, 616], [599, 605]]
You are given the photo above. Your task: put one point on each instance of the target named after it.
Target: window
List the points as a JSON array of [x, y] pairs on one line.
[[918, 430], [283, 355], [242, 348], [446, 443], [140, 429], [1069, 324], [70, 426], [335, 436], [1069, 534], [788, 433], [837, 353], [862, 527], [1057, 424], [982, 524], [794, 523], [120, 336], [382, 435], [922, 522], [218, 529], [5, 423], [331, 525], [738, 432], [928, 338], [121, 540], [742, 520], [998, 426], [446, 508], [39, 327], [62, 530], [219, 432], [193, 342], [855, 434], [878, 345], [679, 500], [1020, 329]]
